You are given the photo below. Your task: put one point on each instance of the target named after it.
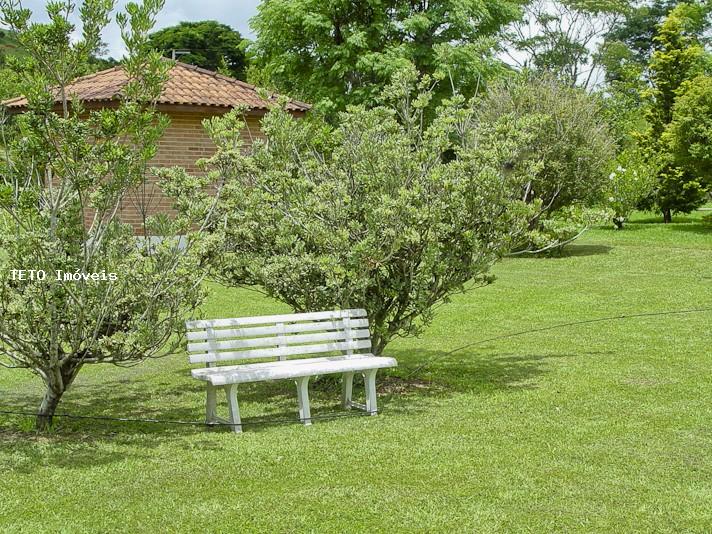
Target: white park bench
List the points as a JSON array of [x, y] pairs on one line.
[[343, 334]]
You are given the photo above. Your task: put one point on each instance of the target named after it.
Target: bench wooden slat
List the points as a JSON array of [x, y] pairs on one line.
[[205, 372], [280, 351], [294, 369], [267, 319], [289, 328], [211, 346]]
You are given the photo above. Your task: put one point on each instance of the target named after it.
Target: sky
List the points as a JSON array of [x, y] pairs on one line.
[[234, 13]]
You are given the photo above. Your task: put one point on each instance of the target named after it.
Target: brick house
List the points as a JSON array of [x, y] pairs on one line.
[[190, 95]]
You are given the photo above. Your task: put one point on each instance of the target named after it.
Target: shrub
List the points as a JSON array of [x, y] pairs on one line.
[[630, 182], [379, 212], [565, 159], [561, 227]]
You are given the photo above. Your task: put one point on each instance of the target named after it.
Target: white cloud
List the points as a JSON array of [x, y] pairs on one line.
[[234, 13]]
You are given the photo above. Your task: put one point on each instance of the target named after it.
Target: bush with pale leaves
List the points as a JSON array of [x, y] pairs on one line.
[[631, 180]]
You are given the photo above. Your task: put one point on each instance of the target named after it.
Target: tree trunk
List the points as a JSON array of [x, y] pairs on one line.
[[378, 344], [667, 216], [47, 408], [56, 387]]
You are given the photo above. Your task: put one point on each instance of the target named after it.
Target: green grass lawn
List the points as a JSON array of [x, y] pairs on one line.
[[604, 427]]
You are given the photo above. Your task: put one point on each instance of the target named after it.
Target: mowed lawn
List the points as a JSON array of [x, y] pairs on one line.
[[603, 427]]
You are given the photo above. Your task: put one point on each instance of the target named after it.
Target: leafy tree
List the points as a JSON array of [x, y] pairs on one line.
[[629, 43], [689, 133], [369, 213], [564, 163], [76, 286], [679, 56], [10, 83], [333, 53], [212, 45], [14, 60], [560, 37], [632, 179], [624, 106], [97, 63]]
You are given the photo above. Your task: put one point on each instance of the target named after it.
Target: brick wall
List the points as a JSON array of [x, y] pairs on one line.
[[183, 144]]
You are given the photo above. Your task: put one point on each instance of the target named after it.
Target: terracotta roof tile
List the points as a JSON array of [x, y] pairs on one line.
[[187, 84]]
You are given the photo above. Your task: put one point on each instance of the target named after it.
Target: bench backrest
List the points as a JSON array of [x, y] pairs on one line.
[[277, 336]]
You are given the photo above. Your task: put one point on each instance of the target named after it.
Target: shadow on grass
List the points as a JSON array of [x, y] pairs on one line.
[[569, 251], [629, 227], [471, 370], [695, 228], [676, 219], [575, 250], [82, 443]]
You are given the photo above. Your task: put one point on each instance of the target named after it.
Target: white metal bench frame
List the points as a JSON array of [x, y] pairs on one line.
[[344, 332]]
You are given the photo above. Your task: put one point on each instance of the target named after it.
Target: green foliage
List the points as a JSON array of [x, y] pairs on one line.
[[10, 85], [623, 108], [558, 37], [689, 133], [559, 228], [629, 44], [563, 160], [99, 294], [333, 53], [632, 180], [212, 45], [679, 57], [676, 191], [9, 80], [369, 213]]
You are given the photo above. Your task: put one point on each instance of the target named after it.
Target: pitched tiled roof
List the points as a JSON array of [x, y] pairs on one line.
[[187, 84]]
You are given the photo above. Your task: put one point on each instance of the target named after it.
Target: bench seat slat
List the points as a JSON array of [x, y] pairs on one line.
[[267, 319], [240, 374], [207, 371], [211, 357], [275, 341], [289, 328]]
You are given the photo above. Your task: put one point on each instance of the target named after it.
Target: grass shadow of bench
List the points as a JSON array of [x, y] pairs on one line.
[[173, 396]]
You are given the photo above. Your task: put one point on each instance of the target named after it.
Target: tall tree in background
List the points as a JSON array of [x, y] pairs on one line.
[[561, 37], [563, 165], [679, 57], [629, 44], [212, 45], [689, 134], [333, 53]]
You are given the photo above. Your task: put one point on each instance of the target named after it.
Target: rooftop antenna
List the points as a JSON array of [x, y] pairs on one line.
[[175, 53]]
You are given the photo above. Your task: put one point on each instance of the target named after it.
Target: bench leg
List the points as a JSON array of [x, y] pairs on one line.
[[347, 391], [303, 397], [231, 392], [369, 379], [211, 405]]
